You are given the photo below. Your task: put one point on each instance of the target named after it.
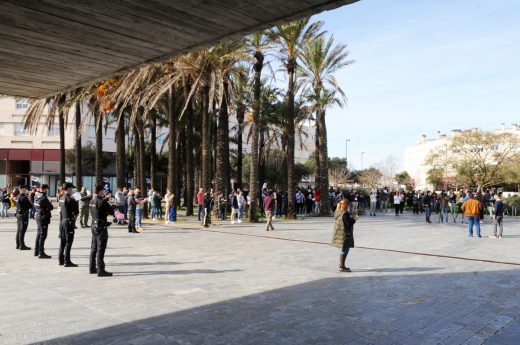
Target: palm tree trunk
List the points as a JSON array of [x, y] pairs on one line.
[[172, 129], [142, 170], [61, 123], [79, 168], [98, 116], [137, 176], [153, 150], [255, 128], [323, 166], [291, 67], [240, 154], [206, 140], [190, 183], [222, 146], [317, 150], [120, 152], [261, 158]]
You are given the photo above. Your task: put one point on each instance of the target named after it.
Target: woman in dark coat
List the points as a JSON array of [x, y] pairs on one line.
[[343, 236]]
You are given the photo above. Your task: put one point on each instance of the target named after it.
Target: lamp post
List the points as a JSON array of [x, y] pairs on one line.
[[362, 153], [346, 153]]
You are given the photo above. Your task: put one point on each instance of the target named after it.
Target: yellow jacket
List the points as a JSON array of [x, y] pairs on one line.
[[471, 207]]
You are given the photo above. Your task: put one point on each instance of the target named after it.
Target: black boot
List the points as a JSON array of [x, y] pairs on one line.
[[70, 264], [342, 267], [24, 247], [93, 271], [104, 274], [44, 256]]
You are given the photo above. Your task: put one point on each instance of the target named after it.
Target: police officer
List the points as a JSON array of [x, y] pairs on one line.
[[23, 205], [84, 207], [43, 217], [69, 210], [99, 209]]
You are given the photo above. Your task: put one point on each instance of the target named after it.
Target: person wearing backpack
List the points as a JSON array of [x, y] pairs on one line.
[[5, 203]]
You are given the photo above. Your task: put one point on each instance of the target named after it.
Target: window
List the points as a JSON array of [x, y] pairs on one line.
[[22, 104], [494, 147], [92, 132], [54, 131], [19, 130]]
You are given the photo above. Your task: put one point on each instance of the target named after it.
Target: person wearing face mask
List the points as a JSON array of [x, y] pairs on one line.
[[23, 206], [43, 217], [100, 209]]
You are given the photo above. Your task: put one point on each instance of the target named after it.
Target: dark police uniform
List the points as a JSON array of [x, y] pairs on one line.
[[99, 209], [23, 205], [43, 217], [69, 210]]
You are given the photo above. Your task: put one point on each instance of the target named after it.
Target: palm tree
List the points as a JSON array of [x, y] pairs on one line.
[[258, 42], [321, 59], [79, 162], [289, 39]]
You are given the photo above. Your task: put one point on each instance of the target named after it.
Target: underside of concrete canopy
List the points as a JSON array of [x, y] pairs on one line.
[[49, 46]]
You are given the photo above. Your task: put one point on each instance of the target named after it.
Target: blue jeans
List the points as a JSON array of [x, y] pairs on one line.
[[345, 250], [154, 212], [172, 214], [4, 210], [444, 212], [201, 214], [240, 211], [473, 220], [139, 217], [427, 212]]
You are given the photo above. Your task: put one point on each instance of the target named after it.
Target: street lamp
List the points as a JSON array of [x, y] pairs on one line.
[[346, 153], [362, 153]]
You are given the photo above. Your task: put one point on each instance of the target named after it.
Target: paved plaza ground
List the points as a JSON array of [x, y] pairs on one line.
[[412, 283]]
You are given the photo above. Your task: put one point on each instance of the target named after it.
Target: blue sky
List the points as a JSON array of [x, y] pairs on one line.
[[422, 67]]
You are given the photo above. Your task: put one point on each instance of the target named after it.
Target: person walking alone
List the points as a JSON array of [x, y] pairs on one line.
[[427, 204], [471, 208], [268, 209], [498, 217], [131, 211], [397, 203], [343, 236]]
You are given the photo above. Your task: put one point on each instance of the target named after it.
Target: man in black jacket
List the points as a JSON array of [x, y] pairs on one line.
[[131, 210], [69, 212], [23, 205], [99, 209], [43, 217]]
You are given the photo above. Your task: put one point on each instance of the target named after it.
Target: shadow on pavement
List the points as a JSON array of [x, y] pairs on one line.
[[349, 308], [179, 272]]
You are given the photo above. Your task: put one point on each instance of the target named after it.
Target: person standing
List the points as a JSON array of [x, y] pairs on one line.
[[242, 202], [268, 209], [444, 204], [100, 209], [43, 217], [233, 200], [207, 209], [471, 208], [23, 206], [131, 211], [200, 203], [427, 204], [343, 236], [140, 201], [383, 200], [397, 203], [5, 203], [170, 211], [69, 210], [373, 202], [317, 200], [498, 217], [83, 206]]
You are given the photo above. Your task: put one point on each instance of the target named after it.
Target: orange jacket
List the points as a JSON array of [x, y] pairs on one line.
[[471, 207]]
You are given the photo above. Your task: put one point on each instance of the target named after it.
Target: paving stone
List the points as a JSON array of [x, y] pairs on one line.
[[180, 284]]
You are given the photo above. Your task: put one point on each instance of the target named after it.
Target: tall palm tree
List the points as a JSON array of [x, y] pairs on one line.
[[79, 161], [321, 59], [257, 43], [289, 39]]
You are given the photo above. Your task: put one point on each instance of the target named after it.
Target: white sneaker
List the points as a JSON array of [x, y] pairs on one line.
[[166, 222], [239, 221], [493, 237], [232, 222]]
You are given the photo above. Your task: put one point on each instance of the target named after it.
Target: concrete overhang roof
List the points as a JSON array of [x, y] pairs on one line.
[[50, 46]]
